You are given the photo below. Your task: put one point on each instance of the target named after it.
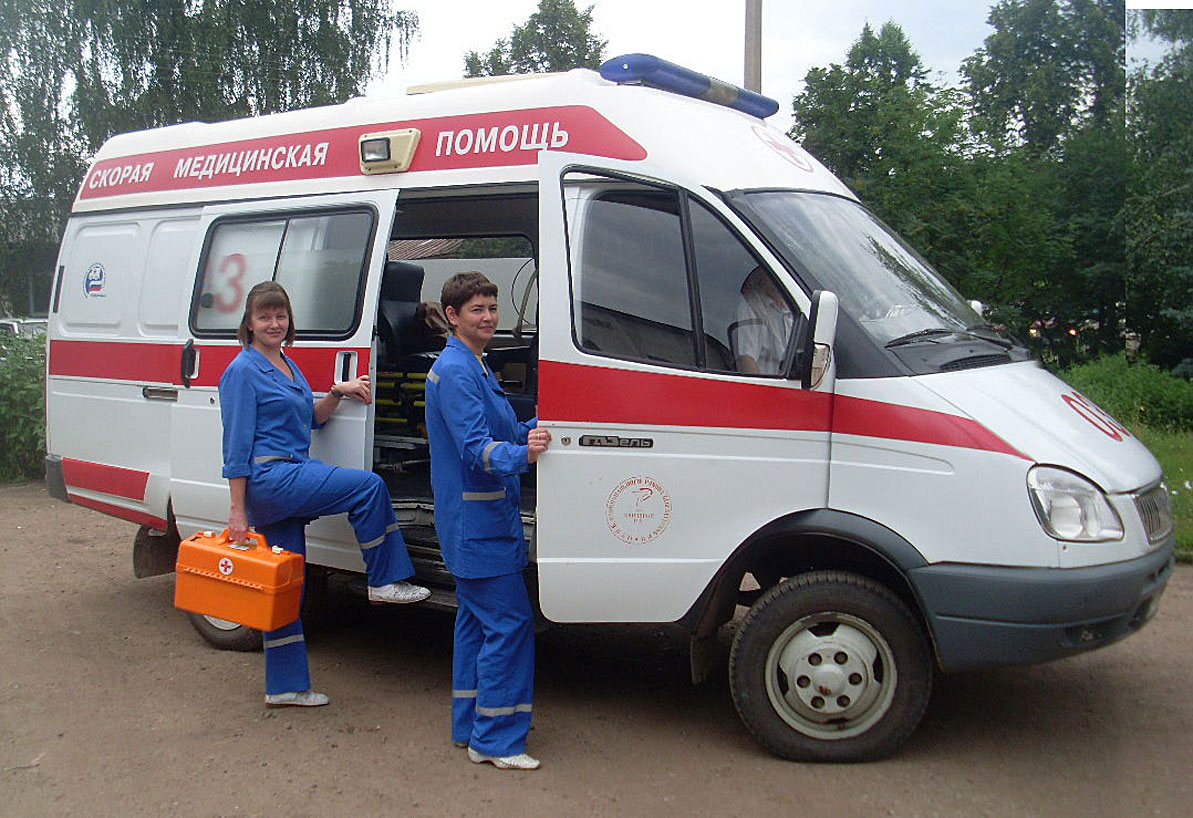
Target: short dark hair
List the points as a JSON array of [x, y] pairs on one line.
[[463, 287], [264, 295]]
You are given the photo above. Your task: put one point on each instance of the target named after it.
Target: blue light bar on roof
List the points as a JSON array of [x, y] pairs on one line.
[[644, 69]]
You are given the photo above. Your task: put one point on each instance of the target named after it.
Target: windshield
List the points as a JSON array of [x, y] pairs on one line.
[[879, 280]]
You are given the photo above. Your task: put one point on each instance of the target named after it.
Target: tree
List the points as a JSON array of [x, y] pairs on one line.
[[78, 71], [1049, 66], [1159, 218], [895, 139], [1047, 94], [1034, 229], [557, 37]]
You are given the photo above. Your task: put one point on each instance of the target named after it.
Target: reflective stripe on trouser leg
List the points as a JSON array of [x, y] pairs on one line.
[[496, 622], [286, 668], [467, 644], [364, 496]]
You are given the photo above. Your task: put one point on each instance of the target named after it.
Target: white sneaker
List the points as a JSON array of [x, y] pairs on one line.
[[400, 593], [301, 698], [519, 762]]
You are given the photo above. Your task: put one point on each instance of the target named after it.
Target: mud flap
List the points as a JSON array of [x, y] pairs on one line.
[[154, 552]]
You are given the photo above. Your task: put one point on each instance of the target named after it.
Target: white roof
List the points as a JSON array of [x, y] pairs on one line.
[[474, 134]]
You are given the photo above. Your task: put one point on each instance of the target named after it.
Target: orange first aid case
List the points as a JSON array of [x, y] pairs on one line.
[[244, 582]]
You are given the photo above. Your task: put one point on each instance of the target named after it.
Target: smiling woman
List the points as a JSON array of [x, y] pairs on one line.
[[268, 413]]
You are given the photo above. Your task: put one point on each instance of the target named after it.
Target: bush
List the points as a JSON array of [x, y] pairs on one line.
[[1135, 392], [22, 407]]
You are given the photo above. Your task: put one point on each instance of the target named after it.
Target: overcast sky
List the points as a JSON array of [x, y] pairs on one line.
[[708, 35]]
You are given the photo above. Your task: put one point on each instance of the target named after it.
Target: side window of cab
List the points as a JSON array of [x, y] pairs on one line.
[[658, 277]]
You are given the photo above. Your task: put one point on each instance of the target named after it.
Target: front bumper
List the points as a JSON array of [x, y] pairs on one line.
[[993, 615]]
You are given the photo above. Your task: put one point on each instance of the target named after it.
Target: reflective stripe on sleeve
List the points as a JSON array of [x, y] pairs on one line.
[[432, 377], [484, 495], [463, 694], [487, 454]]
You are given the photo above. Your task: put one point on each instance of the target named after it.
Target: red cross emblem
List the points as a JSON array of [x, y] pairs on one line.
[[785, 148], [226, 566]]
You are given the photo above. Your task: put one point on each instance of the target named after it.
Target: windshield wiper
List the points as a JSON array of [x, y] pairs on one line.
[[935, 332], [987, 332], [919, 335]]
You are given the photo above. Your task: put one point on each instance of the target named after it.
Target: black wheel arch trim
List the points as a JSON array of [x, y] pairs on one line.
[[715, 605]]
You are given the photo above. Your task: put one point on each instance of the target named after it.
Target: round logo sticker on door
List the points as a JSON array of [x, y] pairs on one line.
[[638, 510]]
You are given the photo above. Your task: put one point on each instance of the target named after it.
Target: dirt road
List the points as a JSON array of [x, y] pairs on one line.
[[110, 704]]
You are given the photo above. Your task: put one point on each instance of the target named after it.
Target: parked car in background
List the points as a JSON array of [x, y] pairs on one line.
[[26, 327]]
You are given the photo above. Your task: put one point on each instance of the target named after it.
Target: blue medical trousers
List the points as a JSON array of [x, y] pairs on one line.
[[327, 490], [493, 665]]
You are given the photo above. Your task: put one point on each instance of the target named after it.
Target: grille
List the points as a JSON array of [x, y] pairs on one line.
[[1155, 510]]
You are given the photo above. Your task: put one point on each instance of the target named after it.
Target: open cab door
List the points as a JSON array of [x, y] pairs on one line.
[[671, 374]]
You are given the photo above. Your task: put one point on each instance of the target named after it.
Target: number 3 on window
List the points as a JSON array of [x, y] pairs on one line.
[[229, 294]]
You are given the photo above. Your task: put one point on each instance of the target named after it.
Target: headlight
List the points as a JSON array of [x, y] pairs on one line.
[[1072, 508]]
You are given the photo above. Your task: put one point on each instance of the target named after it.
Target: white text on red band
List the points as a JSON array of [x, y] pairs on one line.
[[120, 175], [512, 137], [234, 163]]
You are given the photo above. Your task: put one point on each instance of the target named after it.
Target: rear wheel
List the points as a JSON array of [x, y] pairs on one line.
[[830, 666], [227, 635]]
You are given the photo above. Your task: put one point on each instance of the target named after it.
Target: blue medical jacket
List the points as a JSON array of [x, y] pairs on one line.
[[264, 413], [478, 450]]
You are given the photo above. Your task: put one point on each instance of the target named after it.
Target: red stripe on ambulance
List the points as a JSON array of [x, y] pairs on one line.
[[596, 394], [592, 394], [130, 514], [497, 139], [162, 363], [115, 480]]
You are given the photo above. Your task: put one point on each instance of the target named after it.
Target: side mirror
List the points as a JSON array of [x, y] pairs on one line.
[[977, 307], [816, 357]]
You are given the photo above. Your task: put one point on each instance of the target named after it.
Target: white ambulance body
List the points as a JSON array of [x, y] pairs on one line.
[[906, 487]]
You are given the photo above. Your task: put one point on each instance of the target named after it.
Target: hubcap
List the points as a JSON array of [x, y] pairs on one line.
[[830, 675], [221, 624]]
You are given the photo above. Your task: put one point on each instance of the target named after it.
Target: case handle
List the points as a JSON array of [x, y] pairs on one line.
[[253, 540]]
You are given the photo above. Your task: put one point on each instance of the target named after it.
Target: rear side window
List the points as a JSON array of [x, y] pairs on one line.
[[320, 258]]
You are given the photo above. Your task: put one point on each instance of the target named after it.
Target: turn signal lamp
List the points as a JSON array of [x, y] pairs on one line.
[[644, 69], [389, 152]]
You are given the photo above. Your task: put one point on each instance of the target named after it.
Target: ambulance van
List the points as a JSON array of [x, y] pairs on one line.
[[759, 395]]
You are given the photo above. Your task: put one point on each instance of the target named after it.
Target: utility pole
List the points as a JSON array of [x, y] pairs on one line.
[[753, 71]]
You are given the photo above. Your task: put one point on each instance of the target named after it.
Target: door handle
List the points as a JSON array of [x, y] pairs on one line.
[[345, 366], [159, 393], [190, 362]]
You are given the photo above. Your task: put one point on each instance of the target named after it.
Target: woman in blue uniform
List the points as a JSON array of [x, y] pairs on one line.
[[268, 413], [478, 449]]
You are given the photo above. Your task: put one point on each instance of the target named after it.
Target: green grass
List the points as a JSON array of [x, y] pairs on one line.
[[1174, 450]]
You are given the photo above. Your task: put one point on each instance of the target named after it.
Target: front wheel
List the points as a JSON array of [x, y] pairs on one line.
[[830, 666]]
